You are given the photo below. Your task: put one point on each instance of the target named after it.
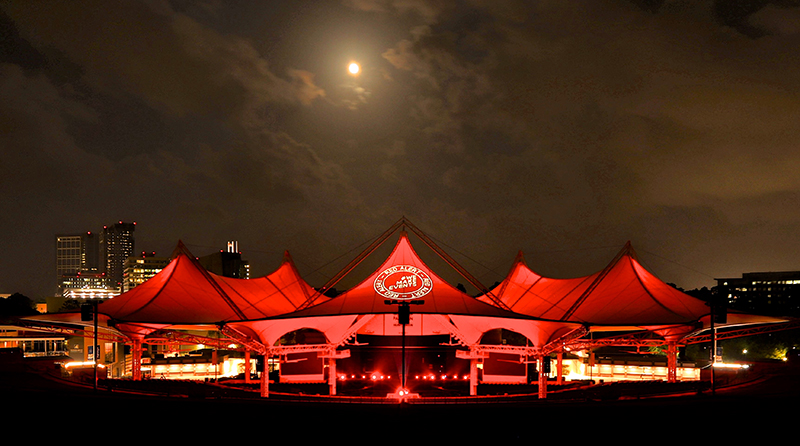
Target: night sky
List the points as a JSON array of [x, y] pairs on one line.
[[559, 128]]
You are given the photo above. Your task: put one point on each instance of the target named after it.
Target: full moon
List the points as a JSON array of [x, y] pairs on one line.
[[354, 68]]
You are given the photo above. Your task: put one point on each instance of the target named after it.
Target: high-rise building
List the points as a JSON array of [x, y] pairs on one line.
[[85, 286], [141, 268], [76, 253], [117, 243], [227, 262], [769, 293]]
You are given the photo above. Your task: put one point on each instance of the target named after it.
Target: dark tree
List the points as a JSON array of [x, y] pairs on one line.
[[70, 305], [704, 293], [675, 286], [16, 305]]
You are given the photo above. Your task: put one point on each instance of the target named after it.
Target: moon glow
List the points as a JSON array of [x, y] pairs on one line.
[[353, 68]]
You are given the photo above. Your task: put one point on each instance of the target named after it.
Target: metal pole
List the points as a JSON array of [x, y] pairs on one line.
[[96, 352], [403, 366], [713, 346], [713, 360], [404, 318]]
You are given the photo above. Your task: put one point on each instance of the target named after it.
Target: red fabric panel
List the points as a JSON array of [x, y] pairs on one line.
[[441, 298], [278, 293], [185, 293], [626, 294]]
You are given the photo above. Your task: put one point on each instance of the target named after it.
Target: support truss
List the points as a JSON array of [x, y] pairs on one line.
[[521, 350], [84, 332], [633, 340], [163, 337], [562, 342], [707, 336], [248, 342], [326, 349]]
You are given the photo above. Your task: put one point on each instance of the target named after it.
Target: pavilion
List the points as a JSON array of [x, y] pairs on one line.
[[404, 297]]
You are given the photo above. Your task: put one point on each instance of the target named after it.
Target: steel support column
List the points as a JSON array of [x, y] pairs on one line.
[[473, 376], [136, 361], [332, 376], [265, 378], [474, 356], [542, 378], [672, 361], [559, 368], [247, 366]]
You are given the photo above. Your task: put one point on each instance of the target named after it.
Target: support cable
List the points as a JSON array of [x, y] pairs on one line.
[[350, 266], [455, 265], [574, 307]]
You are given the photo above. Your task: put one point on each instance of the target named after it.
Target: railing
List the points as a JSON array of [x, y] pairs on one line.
[[29, 354]]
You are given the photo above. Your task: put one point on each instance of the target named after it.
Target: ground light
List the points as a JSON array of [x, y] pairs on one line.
[[723, 365], [74, 364], [83, 368], [402, 394]]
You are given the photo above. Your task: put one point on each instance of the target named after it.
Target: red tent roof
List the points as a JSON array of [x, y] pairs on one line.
[[623, 293], [282, 291], [404, 277], [185, 293]]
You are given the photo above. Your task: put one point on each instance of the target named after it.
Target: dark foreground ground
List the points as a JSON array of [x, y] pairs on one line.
[[42, 409]]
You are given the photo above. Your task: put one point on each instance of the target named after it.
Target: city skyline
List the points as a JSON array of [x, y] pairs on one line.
[[560, 129], [228, 262], [100, 255]]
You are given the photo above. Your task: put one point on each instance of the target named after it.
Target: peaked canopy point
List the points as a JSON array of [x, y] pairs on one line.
[[185, 293], [622, 294], [403, 278]]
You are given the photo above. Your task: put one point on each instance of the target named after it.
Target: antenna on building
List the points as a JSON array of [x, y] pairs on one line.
[[233, 246]]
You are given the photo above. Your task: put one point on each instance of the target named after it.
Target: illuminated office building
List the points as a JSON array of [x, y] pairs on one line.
[[768, 293], [138, 269], [93, 261], [76, 253], [227, 262], [82, 285], [117, 243]]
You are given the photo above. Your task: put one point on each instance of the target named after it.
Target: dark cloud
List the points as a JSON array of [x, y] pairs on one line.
[[776, 20], [550, 127]]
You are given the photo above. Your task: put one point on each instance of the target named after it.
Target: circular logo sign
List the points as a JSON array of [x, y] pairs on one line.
[[403, 282]]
